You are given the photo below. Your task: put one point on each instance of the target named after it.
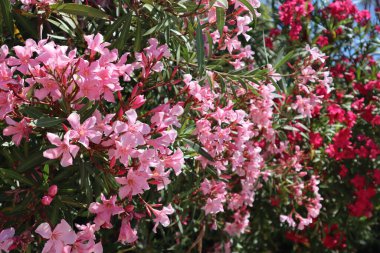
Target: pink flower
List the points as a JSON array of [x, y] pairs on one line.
[[18, 130], [6, 103], [84, 132], [24, 59], [162, 216], [160, 177], [232, 44], [243, 26], [61, 236], [125, 148], [175, 161], [64, 149], [315, 53], [288, 219], [96, 43], [6, 239], [127, 234], [85, 242], [49, 87], [103, 124], [164, 116], [136, 127], [213, 206], [157, 52], [134, 183], [105, 211]]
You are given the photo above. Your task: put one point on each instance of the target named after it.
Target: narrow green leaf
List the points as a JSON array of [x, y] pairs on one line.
[[12, 174], [124, 35], [31, 161], [48, 122], [200, 47], [5, 11], [79, 10], [138, 37], [197, 148], [285, 59], [26, 25], [114, 27], [220, 19], [32, 112], [63, 26]]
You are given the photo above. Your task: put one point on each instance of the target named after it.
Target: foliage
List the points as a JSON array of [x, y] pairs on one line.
[[189, 126]]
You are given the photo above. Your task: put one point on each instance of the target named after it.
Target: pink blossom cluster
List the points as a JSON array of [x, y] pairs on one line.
[[240, 141], [236, 24], [140, 153]]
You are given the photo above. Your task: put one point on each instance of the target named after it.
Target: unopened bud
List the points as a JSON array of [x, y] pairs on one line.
[[46, 200], [53, 190]]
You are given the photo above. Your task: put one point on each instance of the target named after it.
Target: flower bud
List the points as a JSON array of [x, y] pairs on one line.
[[53, 190], [137, 102], [46, 200]]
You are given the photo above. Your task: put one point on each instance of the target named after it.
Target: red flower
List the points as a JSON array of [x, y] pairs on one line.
[[316, 139], [322, 41]]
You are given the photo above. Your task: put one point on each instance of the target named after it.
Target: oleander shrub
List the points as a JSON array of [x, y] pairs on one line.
[[189, 126]]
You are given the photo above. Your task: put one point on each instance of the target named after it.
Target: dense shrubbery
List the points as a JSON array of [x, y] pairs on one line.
[[193, 126]]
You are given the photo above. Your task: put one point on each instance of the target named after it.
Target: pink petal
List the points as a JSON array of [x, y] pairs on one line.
[[65, 232], [121, 180], [11, 130], [54, 139], [89, 123], [48, 246], [44, 230], [17, 139], [66, 160], [74, 120], [10, 121], [53, 153], [132, 116], [73, 150]]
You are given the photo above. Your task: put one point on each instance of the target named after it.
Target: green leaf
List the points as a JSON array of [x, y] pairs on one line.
[[197, 148], [12, 174], [31, 161], [138, 37], [5, 16], [284, 59], [114, 27], [63, 26], [220, 19], [45, 173], [79, 10], [26, 25], [49, 122], [122, 39], [32, 112], [200, 47]]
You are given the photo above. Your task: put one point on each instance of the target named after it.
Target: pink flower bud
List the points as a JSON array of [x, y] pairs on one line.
[[138, 102], [53, 190], [46, 200]]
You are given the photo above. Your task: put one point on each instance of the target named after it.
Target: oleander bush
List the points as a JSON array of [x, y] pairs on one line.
[[189, 126]]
